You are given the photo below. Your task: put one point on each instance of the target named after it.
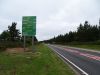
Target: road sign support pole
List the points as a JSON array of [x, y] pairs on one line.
[[24, 42], [32, 42]]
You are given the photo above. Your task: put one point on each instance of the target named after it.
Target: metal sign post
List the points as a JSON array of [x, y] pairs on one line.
[[32, 42], [24, 42]]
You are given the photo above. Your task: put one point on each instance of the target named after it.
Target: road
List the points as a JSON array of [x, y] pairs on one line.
[[86, 62]]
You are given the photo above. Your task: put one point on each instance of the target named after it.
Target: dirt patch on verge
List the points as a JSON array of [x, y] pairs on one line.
[[17, 50]]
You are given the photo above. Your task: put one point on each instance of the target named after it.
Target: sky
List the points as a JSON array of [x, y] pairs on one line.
[[54, 17]]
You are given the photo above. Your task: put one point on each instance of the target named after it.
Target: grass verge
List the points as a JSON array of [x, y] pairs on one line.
[[42, 62], [93, 47]]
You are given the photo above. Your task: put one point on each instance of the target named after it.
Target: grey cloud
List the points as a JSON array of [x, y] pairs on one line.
[[53, 16]]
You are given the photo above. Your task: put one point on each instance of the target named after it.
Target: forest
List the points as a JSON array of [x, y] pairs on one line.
[[85, 34]]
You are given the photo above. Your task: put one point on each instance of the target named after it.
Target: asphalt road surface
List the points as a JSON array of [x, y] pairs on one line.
[[86, 62]]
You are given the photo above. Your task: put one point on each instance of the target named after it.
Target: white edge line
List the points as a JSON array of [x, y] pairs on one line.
[[84, 73]]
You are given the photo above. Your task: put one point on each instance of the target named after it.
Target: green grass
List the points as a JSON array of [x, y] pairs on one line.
[[93, 47], [42, 62]]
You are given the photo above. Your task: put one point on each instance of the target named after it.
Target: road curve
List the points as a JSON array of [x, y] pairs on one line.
[[85, 61]]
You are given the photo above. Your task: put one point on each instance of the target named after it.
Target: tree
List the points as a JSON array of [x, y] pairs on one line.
[[14, 33], [5, 35], [83, 32], [88, 32]]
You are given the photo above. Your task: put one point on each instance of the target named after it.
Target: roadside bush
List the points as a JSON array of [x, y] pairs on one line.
[[10, 44], [14, 44], [2, 48], [84, 43]]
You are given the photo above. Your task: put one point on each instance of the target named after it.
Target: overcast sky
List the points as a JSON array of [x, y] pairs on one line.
[[54, 17]]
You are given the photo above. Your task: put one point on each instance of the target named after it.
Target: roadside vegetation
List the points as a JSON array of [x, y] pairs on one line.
[[41, 62], [11, 38], [93, 47]]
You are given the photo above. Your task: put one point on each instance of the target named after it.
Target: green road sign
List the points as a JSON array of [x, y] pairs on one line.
[[29, 26]]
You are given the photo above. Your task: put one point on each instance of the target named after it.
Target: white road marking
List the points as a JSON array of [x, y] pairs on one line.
[[84, 73]]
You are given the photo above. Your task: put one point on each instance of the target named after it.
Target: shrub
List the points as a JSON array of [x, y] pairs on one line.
[[2, 48]]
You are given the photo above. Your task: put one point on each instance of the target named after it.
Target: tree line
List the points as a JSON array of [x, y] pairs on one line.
[[85, 33]]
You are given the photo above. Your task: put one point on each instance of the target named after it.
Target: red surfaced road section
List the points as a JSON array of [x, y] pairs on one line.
[[94, 57]]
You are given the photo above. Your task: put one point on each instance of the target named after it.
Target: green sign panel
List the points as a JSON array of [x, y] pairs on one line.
[[29, 26]]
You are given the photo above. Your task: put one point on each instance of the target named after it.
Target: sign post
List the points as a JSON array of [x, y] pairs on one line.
[[28, 27], [24, 43], [32, 41]]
